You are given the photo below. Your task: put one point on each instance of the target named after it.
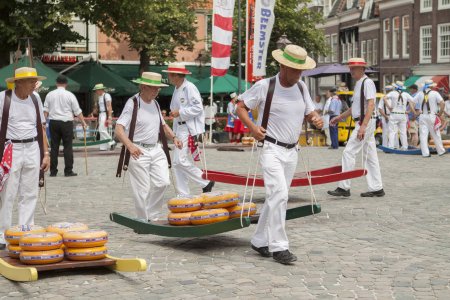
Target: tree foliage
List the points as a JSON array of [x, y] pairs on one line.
[[46, 22]]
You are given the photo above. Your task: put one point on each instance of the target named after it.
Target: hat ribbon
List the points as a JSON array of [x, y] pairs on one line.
[[150, 80], [356, 63], [177, 69], [26, 74], [293, 59]]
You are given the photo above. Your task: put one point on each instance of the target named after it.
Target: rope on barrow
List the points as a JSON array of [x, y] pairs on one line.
[[254, 146], [308, 176]]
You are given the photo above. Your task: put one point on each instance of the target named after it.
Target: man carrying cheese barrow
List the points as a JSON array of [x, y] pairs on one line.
[[283, 101]]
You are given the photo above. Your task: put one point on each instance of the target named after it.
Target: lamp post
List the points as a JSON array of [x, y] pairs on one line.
[[283, 42]]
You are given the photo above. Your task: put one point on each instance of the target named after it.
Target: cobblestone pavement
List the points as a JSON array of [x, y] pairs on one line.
[[383, 248]]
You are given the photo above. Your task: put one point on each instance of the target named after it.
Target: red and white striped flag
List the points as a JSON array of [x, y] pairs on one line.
[[222, 34]]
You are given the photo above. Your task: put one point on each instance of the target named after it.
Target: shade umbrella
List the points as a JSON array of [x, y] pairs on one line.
[[42, 70], [221, 85], [93, 72], [330, 70]]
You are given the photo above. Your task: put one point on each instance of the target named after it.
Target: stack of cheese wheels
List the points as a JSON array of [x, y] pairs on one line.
[[85, 245], [41, 248], [13, 235], [181, 208], [248, 140], [63, 227], [219, 199], [235, 211], [208, 216]]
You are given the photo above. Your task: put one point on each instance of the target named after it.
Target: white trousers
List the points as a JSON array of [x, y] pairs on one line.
[[426, 126], [104, 134], [385, 133], [368, 146], [149, 178], [278, 167], [398, 122], [22, 184], [183, 165]]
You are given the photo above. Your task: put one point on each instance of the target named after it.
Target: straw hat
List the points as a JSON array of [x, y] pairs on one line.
[[25, 73], [398, 85], [295, 57], [177, 68], [389, 88], [99, 86], [233, 95], [430, 83], [357, 62], [150, 78]]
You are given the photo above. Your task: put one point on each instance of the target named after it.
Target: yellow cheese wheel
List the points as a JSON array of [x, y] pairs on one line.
[[219, 199], [185, 204], [179, 218], [41, 257], [85, 239], [208, 216], [14, 251], [62, 227], [41, 241], [94, 253], [13, 234], [235, 211]]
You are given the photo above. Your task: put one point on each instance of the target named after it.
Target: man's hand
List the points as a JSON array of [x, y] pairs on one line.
[[178, 143], [135, 152], [361, 132], [45, 163], [335, 120], [109, 122], [84, 125], [386, 117], [175, 113], [317, 121], [259, 133]]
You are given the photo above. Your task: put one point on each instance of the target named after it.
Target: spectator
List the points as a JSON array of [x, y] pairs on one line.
[[333, 111], [447, 113], [318, 104], [326, 119], [231, 117], [210, 118]]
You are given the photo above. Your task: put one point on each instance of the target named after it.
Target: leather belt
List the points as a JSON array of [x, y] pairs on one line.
[[358, 118], [397, 113], [30, 140], [182, 123], [276, 142], [144, 145]]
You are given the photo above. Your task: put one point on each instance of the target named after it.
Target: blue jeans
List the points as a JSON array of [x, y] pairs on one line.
[[334, 135]]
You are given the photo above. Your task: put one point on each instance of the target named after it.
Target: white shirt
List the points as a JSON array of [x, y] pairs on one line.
[[210, 113], [22, 117], [397, 105], [370, 92], [61, 105], [101, 102], [318, 105], [287, 110], [434, 98], [147, 120], [447, 107], [231, 109]]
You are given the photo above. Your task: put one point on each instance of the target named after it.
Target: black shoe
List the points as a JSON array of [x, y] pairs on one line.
[[2, 246], [284, 257], [70, 174], [339, 192], [379, 193], [263, 251], [53, 174], [209, 187]]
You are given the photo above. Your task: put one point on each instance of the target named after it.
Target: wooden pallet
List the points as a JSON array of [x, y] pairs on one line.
[[13, 269]]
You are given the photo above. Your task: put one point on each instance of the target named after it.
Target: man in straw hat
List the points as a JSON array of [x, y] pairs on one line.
[[22, 124], [431, 108], [104, 110], [279, 127], [385, 112], [60, 107], [149, 166], [398, 118], [189, 120], [362, 137]]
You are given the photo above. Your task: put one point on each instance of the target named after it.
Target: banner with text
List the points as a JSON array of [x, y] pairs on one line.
[[264, 19]]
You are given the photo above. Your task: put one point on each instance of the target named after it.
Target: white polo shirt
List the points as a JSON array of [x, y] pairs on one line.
[[287, 110], [61, 105], [101, 102], [397, 105], [22, 117], [370, 92], [434, 98], [147, 121], [382, 106]]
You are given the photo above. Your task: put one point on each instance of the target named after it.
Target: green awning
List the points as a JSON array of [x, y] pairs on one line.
[[411, 80], [221, 85], [42, 70]]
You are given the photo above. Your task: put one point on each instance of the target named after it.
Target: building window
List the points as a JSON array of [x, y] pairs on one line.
[[327, 6], [369, 52], [425, 44], [364, 50], [444, 4], [395, 37], [405, 36], [426, 5], [386, 80], [375, 52], [349, 4], [344, 53], [444, 42], [334, 47], [327, 41], [208, 19], [320, 59], [386, 39]]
